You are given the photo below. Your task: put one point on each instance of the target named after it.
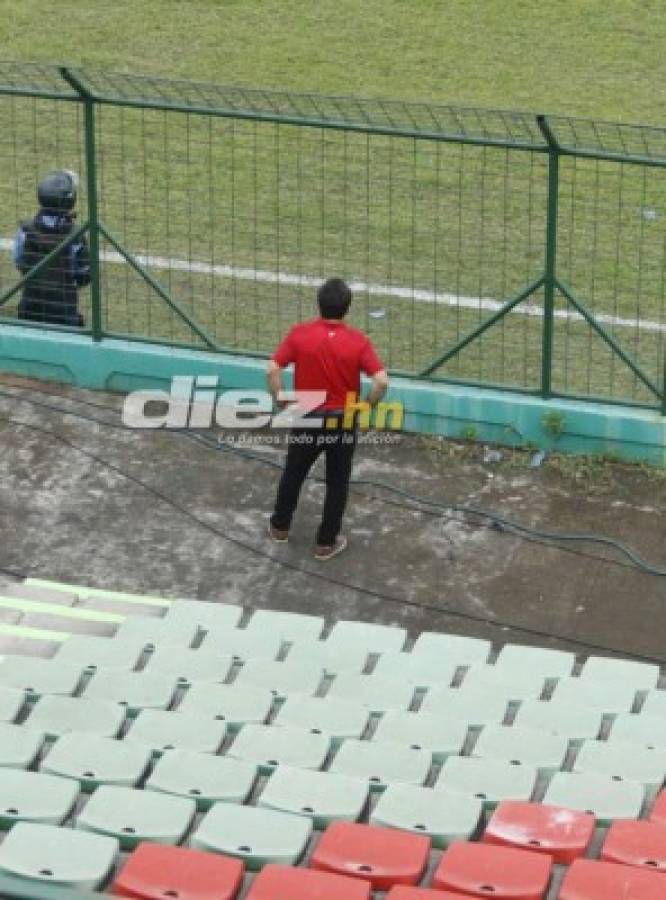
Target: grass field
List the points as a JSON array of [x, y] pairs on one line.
[[429, 221]]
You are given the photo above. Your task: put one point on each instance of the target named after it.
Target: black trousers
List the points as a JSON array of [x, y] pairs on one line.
[[305, 446]]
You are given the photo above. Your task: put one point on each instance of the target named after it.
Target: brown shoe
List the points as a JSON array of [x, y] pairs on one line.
[[279, 535], [328, 551]]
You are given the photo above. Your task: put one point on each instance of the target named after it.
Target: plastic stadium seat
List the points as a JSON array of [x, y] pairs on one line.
[[641, 676], [132, 816], [443, 817], [286, 883], [455, 648], [257, 836], [522, 746], [280, 678], [636, 844], [576, 723], [57, 715], [33, 797], [473, 706], [94, 760], [161, 730], [19, 745], [645, 729], [185, 666], [269, 747], [241, 644], [654, 703], [149, 632], [541, 662], [587, 879], [11, 704], [375, 692], [202, 777], [658, 812], [488, 780], [563, 834], [156, 872], [419, 670], [372, 637], [381, 763], [133, 690], [608, 697], [440, 737], [502, 872], [322, 715], [38, 676], [205, 614], [514, 684], [623, 762], [288, 626], [599, 795], [96, 653], [323, 796], [234, 704], [47, 853], [413, 893], [332, 657], [382, 856]]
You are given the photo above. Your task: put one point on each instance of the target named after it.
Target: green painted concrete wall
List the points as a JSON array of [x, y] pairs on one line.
[[432, 408]]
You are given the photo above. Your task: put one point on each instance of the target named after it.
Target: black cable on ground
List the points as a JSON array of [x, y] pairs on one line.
[[359, 589]]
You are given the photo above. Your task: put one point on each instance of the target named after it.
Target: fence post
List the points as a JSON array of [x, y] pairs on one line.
[[551, 257], [91, 184]]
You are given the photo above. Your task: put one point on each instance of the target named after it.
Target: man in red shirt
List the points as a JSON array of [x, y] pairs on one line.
[[328, 356]]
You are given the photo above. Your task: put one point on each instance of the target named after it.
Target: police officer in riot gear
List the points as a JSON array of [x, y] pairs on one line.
[[52, 295]]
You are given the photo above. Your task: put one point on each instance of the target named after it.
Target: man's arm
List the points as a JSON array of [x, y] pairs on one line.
[[275, 383], [378, 387]]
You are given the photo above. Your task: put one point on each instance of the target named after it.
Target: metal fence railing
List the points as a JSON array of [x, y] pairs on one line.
[[507, 249]]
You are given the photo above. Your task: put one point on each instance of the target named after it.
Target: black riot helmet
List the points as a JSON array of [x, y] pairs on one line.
[[57, 191]]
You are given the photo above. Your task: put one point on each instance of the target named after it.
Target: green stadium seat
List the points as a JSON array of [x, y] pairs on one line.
[[373, 638], [636, 844], [323, 796], [576, 723], [34, 797], [374, 692], [522, 746], [162, 730], [132, 816], [381, 763], [96, 653], [12, 702], [587, 879], [472, 706], [280, 678], [563, 834], [56, 715], [19, 745], [645, 729], [332, 657], [37, 676], [234, 704], [542, 662], [186, 666], [439, 736], [455, 648], [289, 626], [482, 870], [48, 854], [488, 780], [514, 684], [157, 872], [94, 760], [241, 644], [202, 777], [600, 795], [419, 670], [205, 614], [322, 715], [256, 835], [150, 632], [288, 883], [133, 690], [268, 747], [641, 676], [623, 762], [607, 696], [442, 816]]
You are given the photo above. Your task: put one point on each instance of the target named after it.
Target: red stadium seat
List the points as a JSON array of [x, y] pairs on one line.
[[412, 893], [155, 871], [587, 879], [383, 856], [486, 871], [287, 883], [636, 843], [562, 833], [658, 814]]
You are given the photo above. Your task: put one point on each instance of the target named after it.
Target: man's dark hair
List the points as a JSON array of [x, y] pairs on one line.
[[334, 298]]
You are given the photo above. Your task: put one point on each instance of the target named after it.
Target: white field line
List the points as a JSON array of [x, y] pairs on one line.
[[419, 295]]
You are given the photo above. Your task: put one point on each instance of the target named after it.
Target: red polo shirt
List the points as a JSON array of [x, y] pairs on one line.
[[328, 356]]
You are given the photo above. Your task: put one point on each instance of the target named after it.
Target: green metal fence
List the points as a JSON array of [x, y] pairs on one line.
[[508, 249]]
